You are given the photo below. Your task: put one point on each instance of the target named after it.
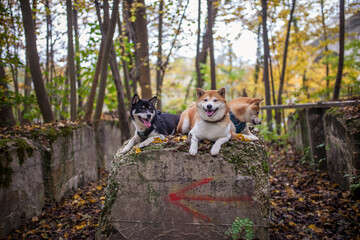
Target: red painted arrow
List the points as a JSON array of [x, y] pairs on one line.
[[176, 197]]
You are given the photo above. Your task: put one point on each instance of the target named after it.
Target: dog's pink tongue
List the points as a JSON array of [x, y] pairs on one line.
[[147, 123], [209, 113]]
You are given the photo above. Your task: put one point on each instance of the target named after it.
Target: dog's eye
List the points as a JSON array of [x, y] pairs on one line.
[[215, 100], [143, 106], [205, 100]]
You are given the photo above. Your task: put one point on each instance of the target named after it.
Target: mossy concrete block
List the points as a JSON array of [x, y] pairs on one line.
[[295, 134], [108, 141], [72, 162], [164, 193], [23, 195], [343, 149], [306, 132]]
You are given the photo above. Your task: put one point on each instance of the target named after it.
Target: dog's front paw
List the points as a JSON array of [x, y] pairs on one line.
[[126, 149], [143, 144], [251, 137], [214, 150], [192, 152]]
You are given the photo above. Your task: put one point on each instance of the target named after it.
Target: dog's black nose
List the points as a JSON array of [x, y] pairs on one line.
[[209, 106], [148, 115]]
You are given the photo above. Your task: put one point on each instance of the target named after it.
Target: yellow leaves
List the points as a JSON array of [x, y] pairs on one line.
[[80, 226], [301, 199], [315, 228], [93, 200], [157, 140], [76, 197], [99, 187], [184, 137], [290, 191], [34, 219], [242, 138], [137, 150], [292, 224], [66, 235]]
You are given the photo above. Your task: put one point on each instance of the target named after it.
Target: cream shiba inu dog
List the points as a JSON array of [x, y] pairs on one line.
[[207, 119], [244, 110]]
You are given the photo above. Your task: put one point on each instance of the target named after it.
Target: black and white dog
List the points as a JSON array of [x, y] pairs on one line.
[[149, 123]]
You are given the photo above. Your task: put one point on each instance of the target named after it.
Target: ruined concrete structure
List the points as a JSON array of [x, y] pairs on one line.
[[331, 142], [67, 160], [164, 193]]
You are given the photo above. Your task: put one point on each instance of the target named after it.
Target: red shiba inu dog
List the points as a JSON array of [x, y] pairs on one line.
[[244, 110], [207, 119]]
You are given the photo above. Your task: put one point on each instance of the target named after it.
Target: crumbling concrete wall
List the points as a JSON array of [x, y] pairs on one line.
[[343, 149], [22, 194], [49, 167], [306, 131], [164, 193], [72, 162]]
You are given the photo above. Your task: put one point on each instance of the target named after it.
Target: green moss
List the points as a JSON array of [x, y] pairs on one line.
[[51, 134], [5, 161], [335, 111], [152, 195], [21, 147], [142, 178]]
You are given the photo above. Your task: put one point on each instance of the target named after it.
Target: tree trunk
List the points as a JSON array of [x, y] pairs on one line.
[[110, 55], [142, 51], [266, 65], [122, 111], [159, 60], [326, 48], [104, 63], [48, 35], [32, 53], [258, 57], [27, 87], [124, 63], [283, 71], [211, 47], [272, 79], [77, 51], [130, 33], [199, 79], [206, 41], [91, 99], [6, 112], [336, 92], [71, 62]]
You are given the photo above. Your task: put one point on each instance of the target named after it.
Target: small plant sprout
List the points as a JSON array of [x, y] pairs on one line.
[[241, 228]]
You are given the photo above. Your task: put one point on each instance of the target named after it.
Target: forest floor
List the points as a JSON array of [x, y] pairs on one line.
[[305, 204]]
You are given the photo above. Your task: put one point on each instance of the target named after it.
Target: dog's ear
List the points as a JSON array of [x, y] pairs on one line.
[[153, 100], [221, 91], [135, 99], [199, 92], [257, 101]]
